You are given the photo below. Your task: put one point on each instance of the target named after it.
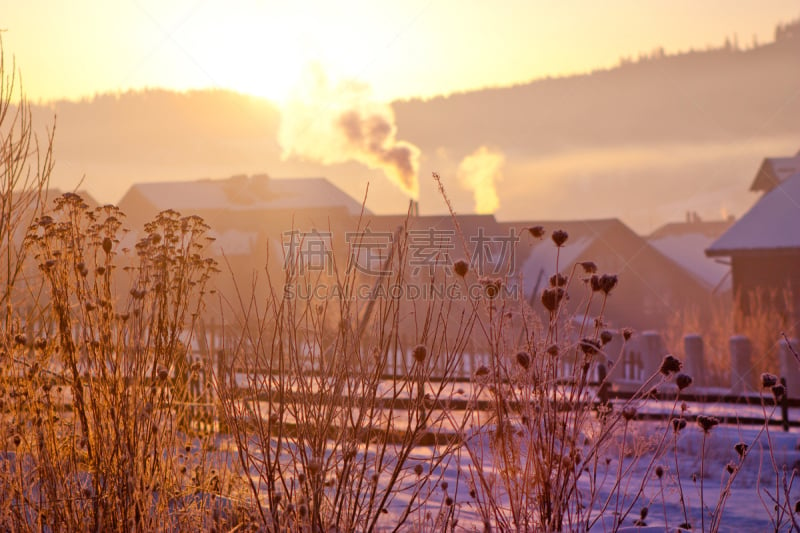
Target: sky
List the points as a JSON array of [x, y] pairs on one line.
[[414, 48]]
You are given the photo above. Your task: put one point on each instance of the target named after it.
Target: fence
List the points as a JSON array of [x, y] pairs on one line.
[[621, 368]]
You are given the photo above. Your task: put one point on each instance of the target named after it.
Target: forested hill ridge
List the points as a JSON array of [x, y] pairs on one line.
[[698, 96]]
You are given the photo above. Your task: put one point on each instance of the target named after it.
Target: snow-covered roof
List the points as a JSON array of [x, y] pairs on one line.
[[540, 263], [687, 250], [773, 223], [774, 170], [242, 193], [685, 243], [709, 228]]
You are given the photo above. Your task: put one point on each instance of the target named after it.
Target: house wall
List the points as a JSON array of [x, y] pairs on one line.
[[771, 274]]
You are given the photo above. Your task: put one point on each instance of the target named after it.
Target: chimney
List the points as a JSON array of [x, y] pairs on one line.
[[413, 208]]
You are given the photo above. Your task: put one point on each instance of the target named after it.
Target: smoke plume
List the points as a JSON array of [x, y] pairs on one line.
[[339, 124], [480, 171]]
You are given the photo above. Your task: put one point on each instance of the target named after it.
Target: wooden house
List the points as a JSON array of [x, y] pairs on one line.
[[764, 249]]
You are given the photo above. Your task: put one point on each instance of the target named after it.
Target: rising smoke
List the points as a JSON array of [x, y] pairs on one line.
[[480, 171], [339, 124]]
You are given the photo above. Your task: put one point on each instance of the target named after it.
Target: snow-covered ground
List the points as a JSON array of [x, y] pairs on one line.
[[762, 478], [750, 506]]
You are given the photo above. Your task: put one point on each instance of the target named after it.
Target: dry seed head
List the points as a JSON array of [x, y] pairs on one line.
[[461, 267], [537, 232], [107, 244], [606, 337], [629, 413], [524, 360], [608, 282], [707, 423], [659, 471], [138, 294], [589, 347], [558, 280], [420, 353], [670, 364], [627, 333], [559, 237], [553, 350], [741, 448], [482, 371], [768, 380], [418, 469], [683, 381], [678, 424], [551, 298]]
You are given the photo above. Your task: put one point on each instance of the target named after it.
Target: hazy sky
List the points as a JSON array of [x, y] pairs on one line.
[[401, 49]]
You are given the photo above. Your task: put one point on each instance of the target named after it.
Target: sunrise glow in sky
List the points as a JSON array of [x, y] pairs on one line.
[[400, 49]]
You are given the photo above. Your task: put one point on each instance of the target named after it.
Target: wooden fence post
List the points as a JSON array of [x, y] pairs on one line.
[[695, 363], [789, 367], [653, 352], [741, 350]]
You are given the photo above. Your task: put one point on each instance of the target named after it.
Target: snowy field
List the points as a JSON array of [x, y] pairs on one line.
[[750, 506], [684, 461]]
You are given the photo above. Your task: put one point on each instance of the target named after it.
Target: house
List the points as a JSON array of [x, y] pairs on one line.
[[774, 170], [252, 219], [651, 289], [685, 244], [764, 248]]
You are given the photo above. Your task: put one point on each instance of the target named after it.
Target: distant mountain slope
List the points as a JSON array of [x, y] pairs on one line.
[[707, 96]]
